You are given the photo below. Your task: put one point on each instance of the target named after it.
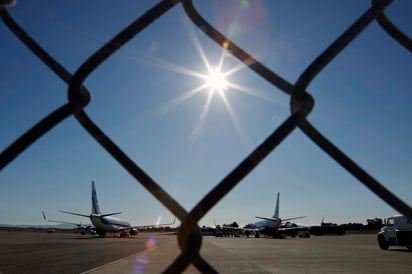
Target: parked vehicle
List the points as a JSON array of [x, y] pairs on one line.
[[396, 232]]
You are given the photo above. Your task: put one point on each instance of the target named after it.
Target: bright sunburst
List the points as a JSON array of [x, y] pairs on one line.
[[216, 80]]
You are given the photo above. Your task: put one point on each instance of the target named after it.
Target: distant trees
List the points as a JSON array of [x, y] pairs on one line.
[[375, 223], [353, 226], [372, 224]]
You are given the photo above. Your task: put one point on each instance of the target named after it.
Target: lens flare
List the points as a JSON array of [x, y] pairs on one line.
[[225, 44], [151, 242], [158, 221], [141, 263]]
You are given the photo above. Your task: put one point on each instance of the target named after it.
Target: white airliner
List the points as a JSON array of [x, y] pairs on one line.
[[105, 223], [271, 226]]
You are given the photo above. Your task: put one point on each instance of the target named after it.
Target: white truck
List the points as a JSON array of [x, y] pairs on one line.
[[396, 232]]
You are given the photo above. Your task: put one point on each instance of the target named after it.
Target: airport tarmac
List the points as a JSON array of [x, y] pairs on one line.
[[147, 253], [41, 252]]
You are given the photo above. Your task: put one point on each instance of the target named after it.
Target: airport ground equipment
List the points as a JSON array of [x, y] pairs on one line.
[[396, 232]]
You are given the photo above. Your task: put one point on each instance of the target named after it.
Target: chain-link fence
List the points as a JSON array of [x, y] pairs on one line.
[[301, 105]]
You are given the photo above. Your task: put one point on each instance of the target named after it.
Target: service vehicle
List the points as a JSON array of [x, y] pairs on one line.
[[396, 232]]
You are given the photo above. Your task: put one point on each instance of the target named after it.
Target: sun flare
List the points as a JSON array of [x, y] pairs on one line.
[[216, 80]]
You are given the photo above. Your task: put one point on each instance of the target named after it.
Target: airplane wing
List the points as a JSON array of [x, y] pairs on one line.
[[297, 228], [145, 226], [109, 214], [267, 218], [79, 225], [151, 225], [293, 218], [77, 214], [277, 219], [88, 216]]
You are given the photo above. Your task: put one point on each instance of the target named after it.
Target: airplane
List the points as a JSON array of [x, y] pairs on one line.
[[104, 223], [272, 226]]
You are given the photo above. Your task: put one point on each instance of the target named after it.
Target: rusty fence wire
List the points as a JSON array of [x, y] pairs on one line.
[[301, 105]]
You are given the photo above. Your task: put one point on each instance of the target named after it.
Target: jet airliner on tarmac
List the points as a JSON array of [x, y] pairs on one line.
[[271, 226], [104, 223]]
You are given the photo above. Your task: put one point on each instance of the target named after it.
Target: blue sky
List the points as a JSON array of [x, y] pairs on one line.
[[362, 104]]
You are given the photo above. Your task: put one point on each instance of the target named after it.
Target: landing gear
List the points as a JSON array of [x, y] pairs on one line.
[[124, 234]]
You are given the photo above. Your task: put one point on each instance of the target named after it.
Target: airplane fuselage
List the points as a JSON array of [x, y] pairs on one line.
[[267, 227], [267, 224], [108, 224]]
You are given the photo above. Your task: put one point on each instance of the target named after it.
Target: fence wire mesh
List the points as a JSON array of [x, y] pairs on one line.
[[301, 105]]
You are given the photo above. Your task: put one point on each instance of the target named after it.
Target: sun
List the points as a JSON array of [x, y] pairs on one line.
[[216, 80]]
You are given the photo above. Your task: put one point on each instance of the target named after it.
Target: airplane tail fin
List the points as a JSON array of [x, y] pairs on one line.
[[276, 214], [95, 203]]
